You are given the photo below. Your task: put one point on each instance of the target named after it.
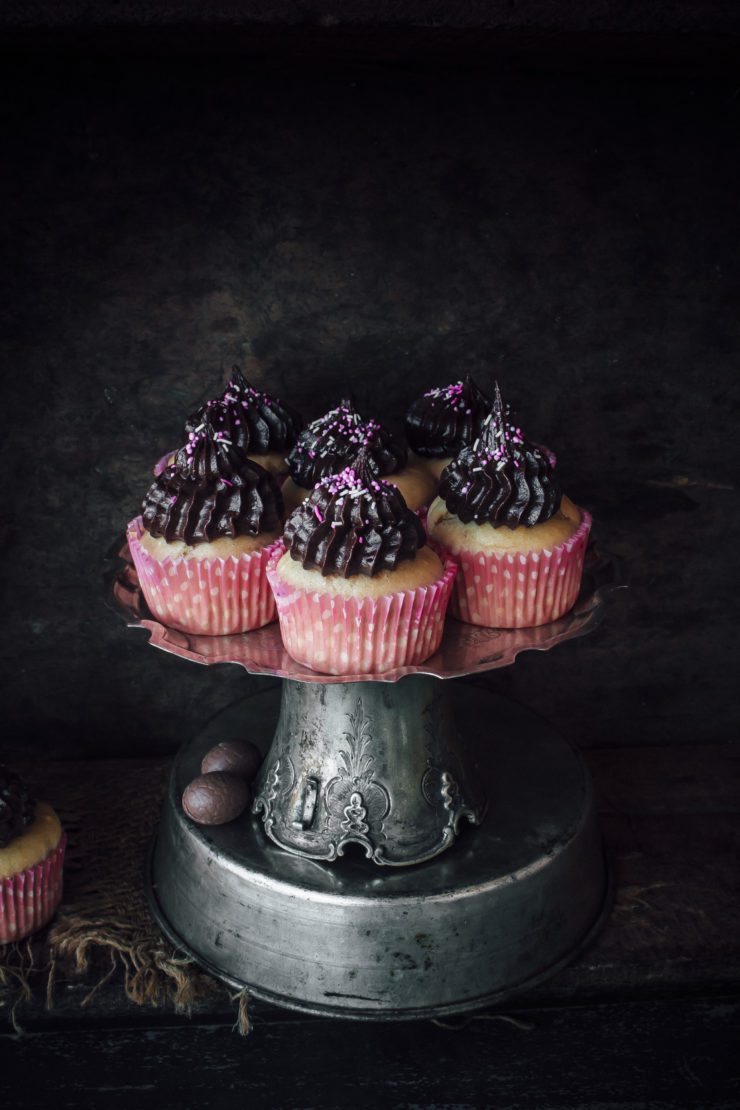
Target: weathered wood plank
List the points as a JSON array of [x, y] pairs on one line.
[[679, 1053], [685, 778]]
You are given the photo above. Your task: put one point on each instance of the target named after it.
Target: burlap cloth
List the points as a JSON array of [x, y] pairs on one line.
[[103, 931]]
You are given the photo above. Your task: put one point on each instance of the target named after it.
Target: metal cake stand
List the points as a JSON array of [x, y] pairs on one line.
[[415, 847]]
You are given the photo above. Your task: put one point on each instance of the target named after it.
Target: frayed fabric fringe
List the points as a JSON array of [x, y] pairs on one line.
[[16, 976], [153, 973]]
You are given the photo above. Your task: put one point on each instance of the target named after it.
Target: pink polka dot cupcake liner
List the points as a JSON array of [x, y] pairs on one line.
[[348, 635], [29, 898], [208, 597], [520, 591]]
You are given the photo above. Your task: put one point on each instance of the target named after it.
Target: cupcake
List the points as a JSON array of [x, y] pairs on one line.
[[358, 589], [262, 426], [520, 543], [443, 421], [329, 444], [31, 857], [201, 545]]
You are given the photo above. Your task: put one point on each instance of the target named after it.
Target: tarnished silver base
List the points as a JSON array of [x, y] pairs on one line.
[[368, 764], [508, 904]]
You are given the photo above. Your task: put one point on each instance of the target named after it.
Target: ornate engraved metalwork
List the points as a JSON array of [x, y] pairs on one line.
[[277, 785], [355, 802], [348, 766], [441, 787]]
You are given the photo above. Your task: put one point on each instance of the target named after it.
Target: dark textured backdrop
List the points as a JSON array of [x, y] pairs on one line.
[[381, 228]]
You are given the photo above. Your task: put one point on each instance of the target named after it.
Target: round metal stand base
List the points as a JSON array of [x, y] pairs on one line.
[[508, 904]]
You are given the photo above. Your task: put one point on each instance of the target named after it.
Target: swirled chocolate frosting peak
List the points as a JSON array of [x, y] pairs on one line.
[[211, 490], [353, 523], [17, 806], [501, 478], [330, 443], [444, 420], [249, 418]]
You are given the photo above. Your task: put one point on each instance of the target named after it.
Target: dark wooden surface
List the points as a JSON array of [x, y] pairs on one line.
[[648, 1016], [681, 1055], [440, 17]]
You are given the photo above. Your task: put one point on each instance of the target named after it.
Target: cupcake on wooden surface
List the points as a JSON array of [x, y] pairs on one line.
[[358, 589], [519, 541], [31, 858], [200, 546], [329, 444]]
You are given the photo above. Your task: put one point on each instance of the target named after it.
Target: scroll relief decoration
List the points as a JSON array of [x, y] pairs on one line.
[[356, 804], [353, 804], [318, 821], [440, 787]]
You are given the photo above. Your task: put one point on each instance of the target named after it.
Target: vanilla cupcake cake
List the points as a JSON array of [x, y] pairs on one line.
[[520, 543], [443, 421], [32, 846], [357, 587], [330, 443], [201, 545], [262, 426]]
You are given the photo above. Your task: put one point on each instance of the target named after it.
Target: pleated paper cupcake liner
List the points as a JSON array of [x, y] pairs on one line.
[[520, 590], [29, 898], [348, 635], [209, 597]]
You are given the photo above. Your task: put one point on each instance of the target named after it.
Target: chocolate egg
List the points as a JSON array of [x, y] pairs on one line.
[[238, 757], [215, 799]]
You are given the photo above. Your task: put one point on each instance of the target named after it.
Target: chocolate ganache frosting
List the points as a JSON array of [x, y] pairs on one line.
[[249, 418], [331, 442], [353, 523], [444, 420], [211, 490], [502, 478], [17, 807]]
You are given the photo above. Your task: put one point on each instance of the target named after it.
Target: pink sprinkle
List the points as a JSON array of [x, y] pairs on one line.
[[226, 482], [319, 514]]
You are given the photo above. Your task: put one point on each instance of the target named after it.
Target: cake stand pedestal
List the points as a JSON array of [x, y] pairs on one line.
[[367, 764], [310, 900]]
